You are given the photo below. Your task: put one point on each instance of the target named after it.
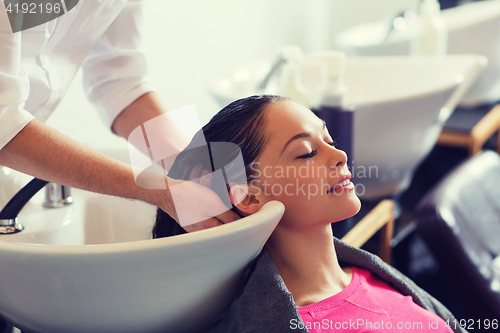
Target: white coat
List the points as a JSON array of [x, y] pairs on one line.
[[38, 64]]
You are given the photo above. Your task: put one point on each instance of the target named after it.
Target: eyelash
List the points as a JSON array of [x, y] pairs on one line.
[[315, 151], [311, 154]]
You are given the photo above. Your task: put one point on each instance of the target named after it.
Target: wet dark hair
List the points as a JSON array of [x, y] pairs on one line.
[[242, 123]]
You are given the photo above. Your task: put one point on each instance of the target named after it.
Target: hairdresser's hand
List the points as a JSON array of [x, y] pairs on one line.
[[196, 206]]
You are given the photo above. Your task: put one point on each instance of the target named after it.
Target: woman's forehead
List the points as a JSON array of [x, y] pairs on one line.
[[287, 117]]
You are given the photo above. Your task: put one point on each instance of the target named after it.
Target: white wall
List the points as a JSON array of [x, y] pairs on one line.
[[192, 40]]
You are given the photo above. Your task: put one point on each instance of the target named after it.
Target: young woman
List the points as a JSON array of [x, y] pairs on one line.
[[289, 156]]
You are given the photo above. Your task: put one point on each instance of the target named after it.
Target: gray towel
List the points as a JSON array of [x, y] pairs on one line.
[[266, 306]]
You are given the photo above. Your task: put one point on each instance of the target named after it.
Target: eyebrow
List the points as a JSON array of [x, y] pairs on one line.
[[300, 136]]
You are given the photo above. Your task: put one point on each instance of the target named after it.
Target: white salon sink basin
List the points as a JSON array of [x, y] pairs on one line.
[[472, 29], [92, 267], [401, 106]]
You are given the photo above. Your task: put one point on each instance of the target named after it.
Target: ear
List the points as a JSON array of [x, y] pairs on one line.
[[244, 200]]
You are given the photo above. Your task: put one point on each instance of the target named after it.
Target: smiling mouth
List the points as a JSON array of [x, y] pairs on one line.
[[344, 183]]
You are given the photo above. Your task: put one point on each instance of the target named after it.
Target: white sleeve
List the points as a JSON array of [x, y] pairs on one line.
[[115, 71], [14, 82]]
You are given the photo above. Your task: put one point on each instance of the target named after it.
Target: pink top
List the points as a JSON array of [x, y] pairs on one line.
[[368, 304]]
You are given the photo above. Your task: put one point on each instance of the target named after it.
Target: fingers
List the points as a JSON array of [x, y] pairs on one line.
[[206, 224], [200, 176], [198, 207], [194, 203], [206, 178], [227, 216], [196, 173]]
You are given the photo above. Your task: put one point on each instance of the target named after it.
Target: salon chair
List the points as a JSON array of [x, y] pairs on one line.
[[459, 220], [472, 128]]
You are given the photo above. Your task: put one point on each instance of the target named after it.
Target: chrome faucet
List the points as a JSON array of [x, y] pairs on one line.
[[56, 196]]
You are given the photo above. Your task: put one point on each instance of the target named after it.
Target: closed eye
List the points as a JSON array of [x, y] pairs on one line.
[[309, 155]]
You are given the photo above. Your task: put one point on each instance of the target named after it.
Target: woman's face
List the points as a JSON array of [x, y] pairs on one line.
[[300, 167]]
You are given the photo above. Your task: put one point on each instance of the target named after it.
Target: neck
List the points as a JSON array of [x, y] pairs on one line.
[[307, 262]]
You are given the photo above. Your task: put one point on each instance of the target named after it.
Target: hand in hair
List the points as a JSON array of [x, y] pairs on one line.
[[209, 209], [238, 129]]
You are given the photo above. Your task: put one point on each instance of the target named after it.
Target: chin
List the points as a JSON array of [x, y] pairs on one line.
[[351, 208], [356, 205]]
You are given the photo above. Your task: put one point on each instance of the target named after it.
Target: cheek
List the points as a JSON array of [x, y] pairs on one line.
[[301, 196], [294, 187], [304, 194], [307, 188], [276, 188], [310, 202]]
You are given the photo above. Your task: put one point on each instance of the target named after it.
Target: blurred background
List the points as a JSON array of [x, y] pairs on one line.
[[189, 42]]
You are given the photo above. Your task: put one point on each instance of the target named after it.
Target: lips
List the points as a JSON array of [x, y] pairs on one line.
[[344, 180]]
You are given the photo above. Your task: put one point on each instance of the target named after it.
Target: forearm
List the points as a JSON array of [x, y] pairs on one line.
[[168, 134], [144, 108], [42, 152]]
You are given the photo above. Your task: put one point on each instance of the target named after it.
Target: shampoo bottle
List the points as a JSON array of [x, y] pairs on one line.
[[333, 107], [432, 35]]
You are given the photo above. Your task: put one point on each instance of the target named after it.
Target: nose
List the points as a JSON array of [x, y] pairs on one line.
[[338, 158]]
